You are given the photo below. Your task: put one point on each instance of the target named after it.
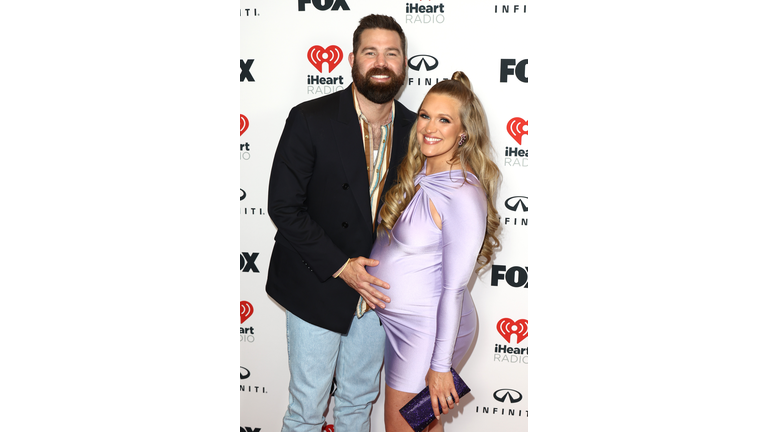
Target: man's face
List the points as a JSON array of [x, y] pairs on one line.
[[378, 68]]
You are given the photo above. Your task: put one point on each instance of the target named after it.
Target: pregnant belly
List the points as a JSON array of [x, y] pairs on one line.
[[412, 291]]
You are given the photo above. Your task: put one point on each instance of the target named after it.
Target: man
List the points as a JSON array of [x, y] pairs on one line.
[[337, 157]]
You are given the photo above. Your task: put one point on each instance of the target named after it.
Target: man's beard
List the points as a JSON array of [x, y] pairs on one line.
[[375, 92]]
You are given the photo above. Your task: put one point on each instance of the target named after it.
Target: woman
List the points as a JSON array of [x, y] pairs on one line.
[[436, 223]]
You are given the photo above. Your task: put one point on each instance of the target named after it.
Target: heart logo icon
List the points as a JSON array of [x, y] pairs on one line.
[[318, 55], [515, 128], [243, 124], [507, 327], [246, 310]]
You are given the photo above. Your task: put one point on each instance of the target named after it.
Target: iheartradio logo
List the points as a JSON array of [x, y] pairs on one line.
[[318, 55], [246, 310], [507, 327], [243, 124], [515, 128], [328, 428]]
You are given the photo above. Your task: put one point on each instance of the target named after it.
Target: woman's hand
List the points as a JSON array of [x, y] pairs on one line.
[[442, 389]]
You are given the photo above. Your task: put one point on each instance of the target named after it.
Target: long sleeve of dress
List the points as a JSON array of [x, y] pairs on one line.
[[463, 229]]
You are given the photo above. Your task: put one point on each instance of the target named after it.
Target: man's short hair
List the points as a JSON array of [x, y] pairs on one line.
[[377, 22]]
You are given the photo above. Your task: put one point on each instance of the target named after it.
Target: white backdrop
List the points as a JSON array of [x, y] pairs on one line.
[[116, 170], [486, 40]]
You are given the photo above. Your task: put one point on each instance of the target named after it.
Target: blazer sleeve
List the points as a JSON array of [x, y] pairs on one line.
[[292, 170]]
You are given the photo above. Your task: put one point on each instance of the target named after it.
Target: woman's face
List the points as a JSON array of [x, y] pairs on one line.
[[437, 129]]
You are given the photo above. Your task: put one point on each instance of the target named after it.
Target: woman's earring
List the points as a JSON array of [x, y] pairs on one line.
[[462, 139]]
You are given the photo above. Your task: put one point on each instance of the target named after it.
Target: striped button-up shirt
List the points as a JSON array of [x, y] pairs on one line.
[[376, 158]]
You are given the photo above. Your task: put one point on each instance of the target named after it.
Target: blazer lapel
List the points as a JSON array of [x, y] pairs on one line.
[[351, 152]]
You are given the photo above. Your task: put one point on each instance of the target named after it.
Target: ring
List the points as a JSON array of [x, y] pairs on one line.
[[449, 398]]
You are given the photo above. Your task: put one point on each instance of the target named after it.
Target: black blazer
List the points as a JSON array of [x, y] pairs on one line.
[[319, 202]]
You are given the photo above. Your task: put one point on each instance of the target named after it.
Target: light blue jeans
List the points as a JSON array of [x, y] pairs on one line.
[[313, 355]]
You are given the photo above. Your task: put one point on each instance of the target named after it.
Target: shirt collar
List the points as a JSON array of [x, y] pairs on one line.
[[360, 114]]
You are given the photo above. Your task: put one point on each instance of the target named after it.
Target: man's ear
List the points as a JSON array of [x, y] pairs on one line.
[[351, 59]]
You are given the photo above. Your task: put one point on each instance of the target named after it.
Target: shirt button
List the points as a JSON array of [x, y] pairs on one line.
[[344, 224], [345, 186]]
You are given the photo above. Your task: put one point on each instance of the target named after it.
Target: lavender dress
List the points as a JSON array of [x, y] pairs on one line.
[[431, 321]]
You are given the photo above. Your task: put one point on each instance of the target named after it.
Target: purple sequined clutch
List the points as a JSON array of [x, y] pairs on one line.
[[418, 411]]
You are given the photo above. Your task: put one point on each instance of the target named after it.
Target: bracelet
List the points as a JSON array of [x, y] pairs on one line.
[[342, 268]]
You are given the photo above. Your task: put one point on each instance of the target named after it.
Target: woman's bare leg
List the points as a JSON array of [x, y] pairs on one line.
[[393, 420]]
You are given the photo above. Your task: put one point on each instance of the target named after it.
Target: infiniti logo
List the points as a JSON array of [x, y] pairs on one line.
[[247, 373], [417, 61], [502, 395], [518, 203]]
